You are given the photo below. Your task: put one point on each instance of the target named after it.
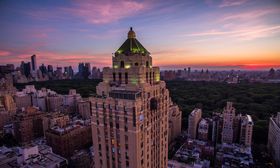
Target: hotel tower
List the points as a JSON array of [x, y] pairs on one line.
[[130, 111]]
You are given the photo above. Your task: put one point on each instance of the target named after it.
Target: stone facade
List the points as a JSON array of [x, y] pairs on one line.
[[194, 119], [274, 138], [28, 125], [175, 122], [130, 111]]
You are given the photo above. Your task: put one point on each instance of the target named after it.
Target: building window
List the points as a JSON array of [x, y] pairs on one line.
[[126, 138], [153, 104], [147, 63], [125, 110], [126, 78], [122, 64], [120, 77], [136, 64], [114, 77], [134, 116], [125, 128], [126, 146]]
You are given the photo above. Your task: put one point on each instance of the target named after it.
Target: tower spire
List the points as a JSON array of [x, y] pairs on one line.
[[131, 34]]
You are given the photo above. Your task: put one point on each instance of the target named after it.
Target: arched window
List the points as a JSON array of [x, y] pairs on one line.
[[122, 64], [136, 64], [147, 63]]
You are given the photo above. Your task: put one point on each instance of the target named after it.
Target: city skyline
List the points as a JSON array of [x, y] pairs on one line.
[[210, 34]]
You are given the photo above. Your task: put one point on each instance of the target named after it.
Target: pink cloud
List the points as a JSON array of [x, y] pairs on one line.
[[4, 53], [248, 33], [249, 15], [94, 12], [247, 25], [102, 12], [228, 3]]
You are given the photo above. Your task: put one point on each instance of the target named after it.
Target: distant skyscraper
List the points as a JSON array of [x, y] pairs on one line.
[[87, 67], [43, 69], [71, 72], [33, 63], [130, 113], [25, 68], [50, 68], [84, 70], [81, 67], [194, 119], [68, 71], [228, 119], [246, 130]]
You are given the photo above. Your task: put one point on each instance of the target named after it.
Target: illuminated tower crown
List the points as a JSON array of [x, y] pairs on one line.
[[132, 45]]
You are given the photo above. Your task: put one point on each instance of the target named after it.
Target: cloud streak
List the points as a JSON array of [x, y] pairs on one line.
[[93, 12], [250, 15], [243, 34], [229, 3], [247, 25]]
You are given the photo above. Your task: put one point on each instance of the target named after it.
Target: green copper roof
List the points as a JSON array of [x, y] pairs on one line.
[[132, 45]]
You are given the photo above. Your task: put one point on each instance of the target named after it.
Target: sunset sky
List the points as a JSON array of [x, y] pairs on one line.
[[215, 34]]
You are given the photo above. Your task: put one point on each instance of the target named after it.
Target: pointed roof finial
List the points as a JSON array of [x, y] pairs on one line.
[[131, 34]]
